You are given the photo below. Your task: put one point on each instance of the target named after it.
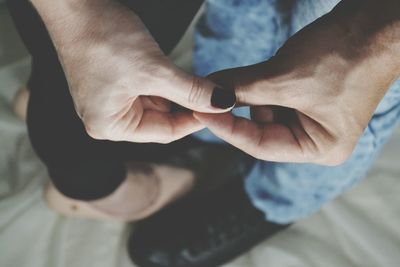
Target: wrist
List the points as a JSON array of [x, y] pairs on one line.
[[74, 23], [371, 29], [62, 17], [54, 10]]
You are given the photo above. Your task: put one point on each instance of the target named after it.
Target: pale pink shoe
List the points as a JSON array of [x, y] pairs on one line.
[[141, 195], [20, 104]]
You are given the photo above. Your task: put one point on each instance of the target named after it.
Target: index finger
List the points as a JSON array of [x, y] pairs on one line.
[[268, 141], [161, 127]]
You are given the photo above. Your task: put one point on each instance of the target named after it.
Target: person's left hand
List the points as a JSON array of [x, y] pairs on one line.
[[121, 83], [312, 101]]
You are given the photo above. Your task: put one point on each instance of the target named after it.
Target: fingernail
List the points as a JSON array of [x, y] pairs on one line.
[[223, 99]]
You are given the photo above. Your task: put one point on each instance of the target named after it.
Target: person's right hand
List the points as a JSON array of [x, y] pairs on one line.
[[120, 81]]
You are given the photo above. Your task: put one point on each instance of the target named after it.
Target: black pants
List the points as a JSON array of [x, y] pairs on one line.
[[79, 166]]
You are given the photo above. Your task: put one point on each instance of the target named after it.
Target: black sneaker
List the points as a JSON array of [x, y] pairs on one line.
[[205, 231]]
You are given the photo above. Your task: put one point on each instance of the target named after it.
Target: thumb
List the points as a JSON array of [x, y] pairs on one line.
[[258, 84], [196, 93]]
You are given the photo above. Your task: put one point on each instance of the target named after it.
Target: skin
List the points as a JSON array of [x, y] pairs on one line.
[[120, 81], [312, 101], [122, 86], [309, 103], [146, 189]]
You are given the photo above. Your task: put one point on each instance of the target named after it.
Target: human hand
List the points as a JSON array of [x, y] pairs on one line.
[[312, 101], [121, 83]]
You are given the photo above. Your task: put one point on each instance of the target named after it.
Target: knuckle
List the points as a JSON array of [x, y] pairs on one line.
[[338, 155], [90, 127], [163, 141], [240, 91], [196, 90], [95, 132], [259, 155], [342, 155]]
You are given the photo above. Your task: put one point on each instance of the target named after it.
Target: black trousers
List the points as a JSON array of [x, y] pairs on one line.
[[79, 166]]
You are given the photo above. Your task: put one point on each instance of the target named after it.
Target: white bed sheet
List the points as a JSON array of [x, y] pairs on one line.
[[361, 228]]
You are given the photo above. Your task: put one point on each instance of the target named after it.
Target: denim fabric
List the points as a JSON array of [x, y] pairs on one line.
[[236, 33]]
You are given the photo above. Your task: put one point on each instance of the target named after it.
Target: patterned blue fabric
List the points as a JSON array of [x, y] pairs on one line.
[[236, 33]]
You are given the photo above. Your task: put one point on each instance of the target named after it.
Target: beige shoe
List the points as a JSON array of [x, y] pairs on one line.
[[144, 192], [173, 183], [20, 104], [70, 207]]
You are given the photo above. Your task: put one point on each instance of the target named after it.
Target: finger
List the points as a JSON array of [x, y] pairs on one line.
[[160, 127], [271, 142], [262, 114], [257, 84], [196, 93], [156, 103]]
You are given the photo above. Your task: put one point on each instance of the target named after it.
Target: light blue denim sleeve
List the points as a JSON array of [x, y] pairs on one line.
[[285, 192]]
